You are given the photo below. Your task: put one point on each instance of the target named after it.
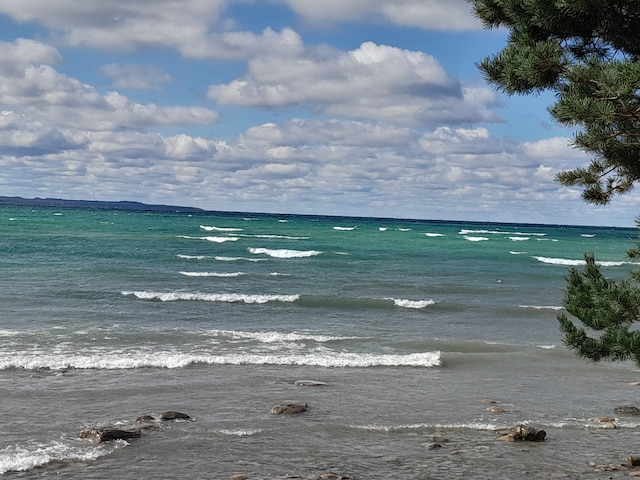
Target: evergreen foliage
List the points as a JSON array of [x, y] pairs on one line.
[[588, 53]]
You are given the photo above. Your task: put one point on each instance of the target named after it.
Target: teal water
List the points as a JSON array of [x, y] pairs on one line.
[[108, 315]]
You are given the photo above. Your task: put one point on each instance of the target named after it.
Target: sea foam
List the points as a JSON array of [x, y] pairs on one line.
[[210, 297], [284, 253], [18, 458]]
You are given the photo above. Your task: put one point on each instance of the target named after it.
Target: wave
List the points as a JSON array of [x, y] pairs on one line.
[[519, 239], [383, 229], [404, 229], [18, 458], [344, 228], [499, 232], [238, 259], [435, 426], [284, 253], [475, 239], [517, 253], [212, 239], [210, 297], [192, 257], [213, 274], [220, 229], [435, 234], [172, 360], [541, 307], [588, 235], [569, 262], [273, 337], [241, 432], [417, 304]]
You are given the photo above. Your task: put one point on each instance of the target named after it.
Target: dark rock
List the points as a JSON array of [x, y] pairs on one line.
[[101, 435], [145, 418], [290, 409], [170, 415], [633, 462], [524, 433], [627, 410]]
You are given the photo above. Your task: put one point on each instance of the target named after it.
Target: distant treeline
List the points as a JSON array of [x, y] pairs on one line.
[[94, 204]]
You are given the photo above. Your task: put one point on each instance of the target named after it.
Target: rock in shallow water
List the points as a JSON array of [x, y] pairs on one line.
[[290, 409], [101, 435], [171, 415], [524, 433]]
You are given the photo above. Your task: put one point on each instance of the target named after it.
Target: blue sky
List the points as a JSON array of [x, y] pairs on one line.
[[341, 107]]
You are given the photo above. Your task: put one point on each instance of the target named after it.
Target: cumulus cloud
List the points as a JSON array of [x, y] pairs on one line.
[[377, 82]]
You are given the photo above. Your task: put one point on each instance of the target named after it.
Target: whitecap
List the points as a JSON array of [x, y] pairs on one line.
[[212, 239], [220, 229], [569, 262], [210, 297], [541, 307], [213, 274], [284, 253], [435, 235], [476, 239], [416, 304], [519, 239], [345, 228]]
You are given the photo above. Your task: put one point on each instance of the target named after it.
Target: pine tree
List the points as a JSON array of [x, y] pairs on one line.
[[588, 53]]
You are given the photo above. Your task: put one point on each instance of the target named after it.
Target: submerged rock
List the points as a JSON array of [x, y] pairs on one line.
[[145, 418], [171, 415], [101, 435], [627, 410], [290, 409], [524, 433], [310, 383]]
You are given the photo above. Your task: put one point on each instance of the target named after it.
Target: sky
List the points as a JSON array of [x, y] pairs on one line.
[[333, 107]]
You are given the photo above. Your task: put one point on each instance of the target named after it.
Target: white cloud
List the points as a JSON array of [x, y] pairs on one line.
[[377, 82], [428, 14]]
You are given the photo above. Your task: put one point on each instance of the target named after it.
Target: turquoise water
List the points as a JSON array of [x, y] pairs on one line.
[[108, 315]]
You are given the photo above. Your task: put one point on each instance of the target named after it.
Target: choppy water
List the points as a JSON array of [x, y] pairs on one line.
[[110, 315]]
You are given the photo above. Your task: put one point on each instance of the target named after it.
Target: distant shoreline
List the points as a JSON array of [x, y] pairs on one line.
[[126, 205], [95, 204]]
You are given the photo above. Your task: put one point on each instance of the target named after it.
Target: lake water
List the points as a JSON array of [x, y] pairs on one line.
[[413, 325]]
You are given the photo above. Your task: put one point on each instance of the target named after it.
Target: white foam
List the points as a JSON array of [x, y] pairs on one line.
[[241, 432], [435, 235], [404, 229], [238, 259], [192, 257], [476, 239], [212, 239], [284, 253], [220, 229], [542, 307], [517, 253], [118, 361], [22, 458], [210, 297], [569, 262], [437, 426], [273, 337], [383, 229], [417, 304], [344, 228], [586, 235], [499, 232], [519, 239], [213, 274]]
